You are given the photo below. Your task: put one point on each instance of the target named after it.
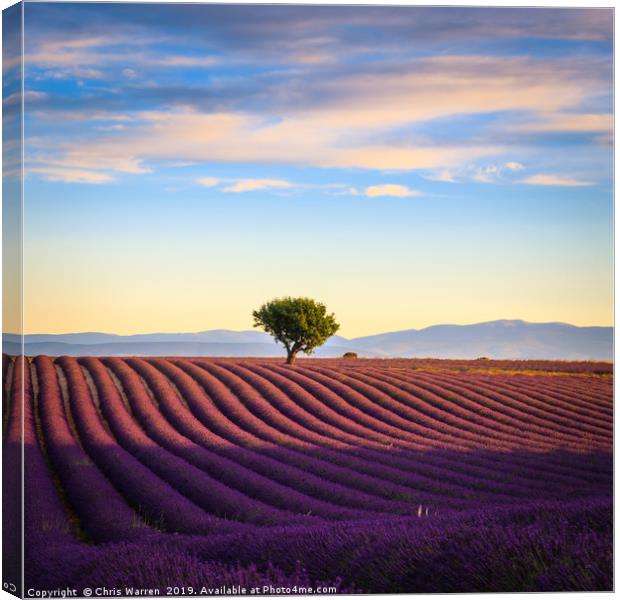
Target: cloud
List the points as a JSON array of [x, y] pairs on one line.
[[443, 176], [245, 185], [568, 123], [29, 95], [495, 173], [553, 180], [284, 31], [312, 106], [71, 175], [487, 174], [390, 189], [336, 117], [188, 135], [88, 56], [251, 185], [209, 181], [182, 61]]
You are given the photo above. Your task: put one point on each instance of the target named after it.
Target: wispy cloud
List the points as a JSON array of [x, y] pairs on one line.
[[568, 123], [231, 137], [443, 176], [496, 173], [313, 89], [209, 181], [390, 189], [251, 185], [71, 175], [182, 61], [245, 185], [554, 180], [88, 57]]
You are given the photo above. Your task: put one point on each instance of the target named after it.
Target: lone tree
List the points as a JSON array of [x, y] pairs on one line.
[[300, 324]]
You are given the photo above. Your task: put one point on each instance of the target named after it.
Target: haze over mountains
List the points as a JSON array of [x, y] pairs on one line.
[[495, 339]]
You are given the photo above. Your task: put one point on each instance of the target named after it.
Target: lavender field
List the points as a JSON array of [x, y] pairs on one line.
[[340, 476]]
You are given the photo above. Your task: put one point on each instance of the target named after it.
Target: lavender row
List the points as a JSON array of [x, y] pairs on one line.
[[279, 481], [102, 512], [530, 467], [202, 489], [229, 471], [343, 456], [453, 472]]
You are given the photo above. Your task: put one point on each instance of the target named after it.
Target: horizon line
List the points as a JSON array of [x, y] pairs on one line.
[[445, 324]]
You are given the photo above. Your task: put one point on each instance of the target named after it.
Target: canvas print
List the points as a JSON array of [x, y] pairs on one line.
[[306, 299]]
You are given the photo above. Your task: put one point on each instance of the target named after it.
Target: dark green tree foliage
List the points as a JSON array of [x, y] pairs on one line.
[[299, 324]]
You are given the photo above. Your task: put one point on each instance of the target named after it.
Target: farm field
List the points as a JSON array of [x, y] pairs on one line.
[[336, 475]]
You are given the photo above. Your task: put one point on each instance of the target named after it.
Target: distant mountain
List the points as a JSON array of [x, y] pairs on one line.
[[494, 339]]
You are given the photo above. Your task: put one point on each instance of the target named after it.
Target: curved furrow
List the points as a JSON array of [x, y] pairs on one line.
[[50, 511], [602, 412], [237, 411], [553, 397], [587, 442], [250, 481], [503, 409], [559, 406], [102, 512], [261, 411], [421, 420], [489, 462], [519, 405], [452, 470], [589, 393], [358, 458], [463, 396], [463, 427], [175, 509], [572, 395], [322, 480], [389, 435], [156, 503], [488, 408], [431, 463], [425, 384], [312, 452], [337, 427], [386, 465], [555, 418], [327, 395], [593, 393], [406, 476], [50, 525], [201, 488]]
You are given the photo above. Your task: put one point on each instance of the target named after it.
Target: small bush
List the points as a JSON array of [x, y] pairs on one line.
[[349, 355]]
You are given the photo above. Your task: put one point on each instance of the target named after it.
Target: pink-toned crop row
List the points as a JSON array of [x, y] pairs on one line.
[[304, 397], [140, 446]]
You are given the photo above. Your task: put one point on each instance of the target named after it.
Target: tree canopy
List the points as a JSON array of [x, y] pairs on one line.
[[299, 324]]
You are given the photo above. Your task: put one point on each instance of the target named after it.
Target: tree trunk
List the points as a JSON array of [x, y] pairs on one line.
[[290, 357]]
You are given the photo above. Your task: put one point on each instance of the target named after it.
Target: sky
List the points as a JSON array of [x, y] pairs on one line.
[[406, 166]]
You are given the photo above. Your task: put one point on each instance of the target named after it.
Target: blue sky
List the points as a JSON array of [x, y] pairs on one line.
[[407, 166]]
